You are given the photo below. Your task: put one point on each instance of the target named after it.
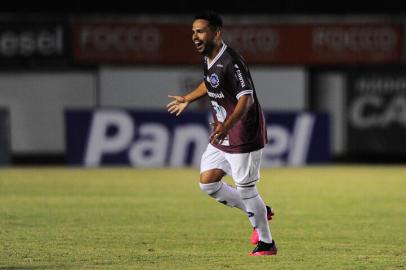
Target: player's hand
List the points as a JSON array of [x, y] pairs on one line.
[[178, 105], [219, 133]]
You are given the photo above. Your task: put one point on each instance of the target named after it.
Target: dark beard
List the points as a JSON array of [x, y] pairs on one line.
[[208, 48]]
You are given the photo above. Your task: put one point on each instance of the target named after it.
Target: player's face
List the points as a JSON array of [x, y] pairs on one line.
[[203, 37]]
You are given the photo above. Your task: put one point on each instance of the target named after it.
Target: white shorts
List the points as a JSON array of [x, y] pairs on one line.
[[242, 167]]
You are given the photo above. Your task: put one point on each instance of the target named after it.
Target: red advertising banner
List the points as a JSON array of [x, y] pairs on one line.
[[301, 44], [318, 44], [133, 43]]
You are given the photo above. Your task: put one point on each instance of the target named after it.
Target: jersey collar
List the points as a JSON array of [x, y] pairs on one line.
[[217, 56]]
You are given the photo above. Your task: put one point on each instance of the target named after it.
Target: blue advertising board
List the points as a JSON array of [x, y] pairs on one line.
[[157, 139]]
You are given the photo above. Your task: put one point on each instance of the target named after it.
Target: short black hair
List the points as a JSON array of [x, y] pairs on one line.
[[212, 17]]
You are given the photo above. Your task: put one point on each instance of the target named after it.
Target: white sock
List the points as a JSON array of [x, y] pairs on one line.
[[224, 193], [256, 210]]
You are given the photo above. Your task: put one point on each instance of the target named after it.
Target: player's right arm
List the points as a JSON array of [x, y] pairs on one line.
[[180, 103]]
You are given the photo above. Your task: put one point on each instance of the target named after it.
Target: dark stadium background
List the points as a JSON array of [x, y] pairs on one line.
[[225, 7], [325, 11]]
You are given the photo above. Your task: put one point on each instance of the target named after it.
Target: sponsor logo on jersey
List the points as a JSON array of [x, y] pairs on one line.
[[219, 65], [239, 75], [214, 80], [215, 95]]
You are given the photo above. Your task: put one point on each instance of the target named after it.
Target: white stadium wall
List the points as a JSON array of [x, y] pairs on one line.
[[329, 96], [281, 88], [36, 102], [147, 88]]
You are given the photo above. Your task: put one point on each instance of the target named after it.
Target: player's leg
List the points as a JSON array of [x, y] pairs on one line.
[[254, 235], [214, 167], [257, 214], [256, 210], [245, 172]]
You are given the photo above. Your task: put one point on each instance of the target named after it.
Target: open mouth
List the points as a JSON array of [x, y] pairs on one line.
[[198, 45]]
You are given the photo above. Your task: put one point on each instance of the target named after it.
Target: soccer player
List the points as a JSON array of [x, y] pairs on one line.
[[239, 131]]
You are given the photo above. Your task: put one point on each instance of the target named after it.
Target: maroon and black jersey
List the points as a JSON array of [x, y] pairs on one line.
[[227, 78]]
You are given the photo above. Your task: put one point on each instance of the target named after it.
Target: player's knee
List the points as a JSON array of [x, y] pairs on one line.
[[206, 180], [247, 192], [210, 188], [211, 176]]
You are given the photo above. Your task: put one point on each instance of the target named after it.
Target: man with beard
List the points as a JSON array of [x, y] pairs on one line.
[[239, 132]]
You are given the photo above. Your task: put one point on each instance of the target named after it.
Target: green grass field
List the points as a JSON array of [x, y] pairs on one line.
[[333, 217]]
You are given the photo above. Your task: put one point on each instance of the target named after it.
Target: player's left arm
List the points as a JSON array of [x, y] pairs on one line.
[[221, 129]]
